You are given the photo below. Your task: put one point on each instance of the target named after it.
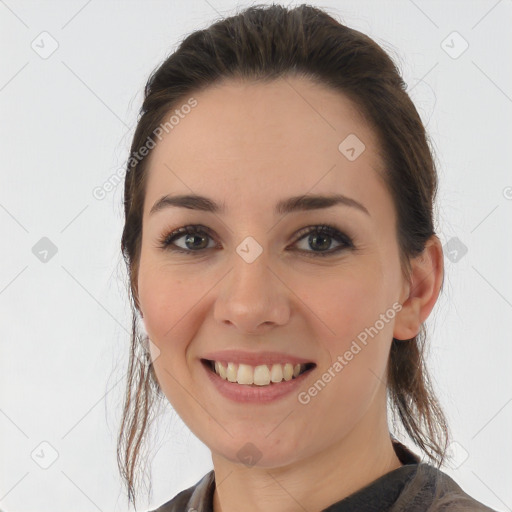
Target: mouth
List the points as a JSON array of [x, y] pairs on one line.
[[257, 376]]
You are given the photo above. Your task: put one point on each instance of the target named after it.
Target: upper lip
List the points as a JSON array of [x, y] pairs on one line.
[[255, 358]]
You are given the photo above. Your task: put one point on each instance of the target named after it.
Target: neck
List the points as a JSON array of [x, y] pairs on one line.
[[314, 483]]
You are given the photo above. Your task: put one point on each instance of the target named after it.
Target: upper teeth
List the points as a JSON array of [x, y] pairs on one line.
[[260, 375]]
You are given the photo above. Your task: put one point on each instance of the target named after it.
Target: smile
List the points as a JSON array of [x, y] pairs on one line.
[[260, 375]]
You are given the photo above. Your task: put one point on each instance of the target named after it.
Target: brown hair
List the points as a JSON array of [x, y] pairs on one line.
[[263, 43]]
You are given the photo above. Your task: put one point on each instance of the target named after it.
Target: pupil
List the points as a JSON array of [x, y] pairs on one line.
[[190, 238], [315, 237]]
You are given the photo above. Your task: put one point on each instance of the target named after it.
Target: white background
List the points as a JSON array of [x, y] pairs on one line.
[[66, 124]]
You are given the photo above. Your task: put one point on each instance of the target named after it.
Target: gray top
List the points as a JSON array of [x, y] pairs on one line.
[[414, 487]]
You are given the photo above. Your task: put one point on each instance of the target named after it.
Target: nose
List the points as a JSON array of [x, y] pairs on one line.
[[252, 298]]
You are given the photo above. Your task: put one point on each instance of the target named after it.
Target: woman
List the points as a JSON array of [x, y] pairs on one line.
[[282, 258]]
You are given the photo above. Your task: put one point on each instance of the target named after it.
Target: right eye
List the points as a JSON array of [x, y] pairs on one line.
[[193, 239]]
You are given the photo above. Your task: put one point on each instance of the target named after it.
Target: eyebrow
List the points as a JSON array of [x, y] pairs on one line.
[[289, 205]]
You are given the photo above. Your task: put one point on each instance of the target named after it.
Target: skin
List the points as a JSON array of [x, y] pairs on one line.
[[251, 145]]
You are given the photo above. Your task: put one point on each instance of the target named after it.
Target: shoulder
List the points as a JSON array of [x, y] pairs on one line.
[[435, 487], [178, 503], [198, 497]]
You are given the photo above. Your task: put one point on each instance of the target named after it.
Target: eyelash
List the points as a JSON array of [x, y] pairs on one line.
[[165, 242]]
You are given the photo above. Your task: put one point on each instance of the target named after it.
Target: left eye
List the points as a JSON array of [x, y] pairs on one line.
[[318, 237]]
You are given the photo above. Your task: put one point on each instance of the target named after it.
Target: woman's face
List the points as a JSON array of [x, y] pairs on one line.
[[257, 280]]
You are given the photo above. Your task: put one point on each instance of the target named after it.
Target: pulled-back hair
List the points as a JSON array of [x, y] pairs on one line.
[[264, 43]]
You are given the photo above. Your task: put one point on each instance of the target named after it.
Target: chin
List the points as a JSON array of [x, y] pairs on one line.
[[258, 453]]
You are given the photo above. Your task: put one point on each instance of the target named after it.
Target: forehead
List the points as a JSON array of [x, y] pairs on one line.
[[263, 141]]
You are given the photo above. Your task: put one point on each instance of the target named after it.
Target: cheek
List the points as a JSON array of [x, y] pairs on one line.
[[169, 305], [165, 299], [346, 303], [354, 307]]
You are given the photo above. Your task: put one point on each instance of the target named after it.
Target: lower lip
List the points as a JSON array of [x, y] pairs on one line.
[[245, 393]]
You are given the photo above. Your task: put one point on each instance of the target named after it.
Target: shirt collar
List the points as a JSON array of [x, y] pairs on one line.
[[384, 490]]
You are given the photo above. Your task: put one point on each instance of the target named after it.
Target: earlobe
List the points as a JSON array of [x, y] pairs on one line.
[[427, 271], [407, 325]]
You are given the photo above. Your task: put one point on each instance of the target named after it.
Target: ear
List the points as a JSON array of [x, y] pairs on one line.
[[419, 296]]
